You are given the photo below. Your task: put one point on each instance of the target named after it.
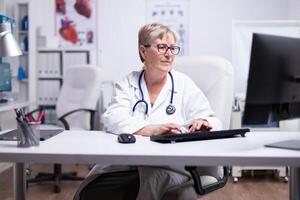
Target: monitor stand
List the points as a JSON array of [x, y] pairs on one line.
[[287, 144]]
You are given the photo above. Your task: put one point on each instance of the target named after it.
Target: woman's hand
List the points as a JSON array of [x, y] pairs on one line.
[[159, 129], [200, 125]]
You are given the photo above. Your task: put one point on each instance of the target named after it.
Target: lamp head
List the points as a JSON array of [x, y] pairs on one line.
[[8, 44]]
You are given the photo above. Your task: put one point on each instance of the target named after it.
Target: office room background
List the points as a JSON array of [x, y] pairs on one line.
[[213, 27], [210, 23], [210, 31]]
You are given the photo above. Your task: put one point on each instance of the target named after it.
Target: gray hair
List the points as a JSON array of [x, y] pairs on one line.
[[152, 31]]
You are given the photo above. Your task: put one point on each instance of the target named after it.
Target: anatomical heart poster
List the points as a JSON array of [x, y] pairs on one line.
[[76, 22]]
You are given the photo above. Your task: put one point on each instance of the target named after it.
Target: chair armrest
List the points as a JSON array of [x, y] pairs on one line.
[[65, 122], [204, 189]]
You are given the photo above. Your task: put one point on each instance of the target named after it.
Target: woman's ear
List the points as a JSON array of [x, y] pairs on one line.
[[142, 50]]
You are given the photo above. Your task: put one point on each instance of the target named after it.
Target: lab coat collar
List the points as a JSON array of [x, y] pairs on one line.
[[134, 79], [164, 93]]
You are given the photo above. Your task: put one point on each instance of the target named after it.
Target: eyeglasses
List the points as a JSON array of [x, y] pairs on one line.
[[163, 48]]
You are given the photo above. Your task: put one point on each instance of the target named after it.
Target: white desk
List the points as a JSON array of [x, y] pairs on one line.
[[98, 147]]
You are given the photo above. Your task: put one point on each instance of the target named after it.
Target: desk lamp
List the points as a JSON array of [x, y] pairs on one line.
[[8, 45], [8, 48]]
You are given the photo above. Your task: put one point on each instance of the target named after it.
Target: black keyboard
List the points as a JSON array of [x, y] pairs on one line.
[[199, 135], [44, 134]]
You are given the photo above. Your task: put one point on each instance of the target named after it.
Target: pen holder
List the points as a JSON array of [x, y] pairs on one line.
[[28, 134]]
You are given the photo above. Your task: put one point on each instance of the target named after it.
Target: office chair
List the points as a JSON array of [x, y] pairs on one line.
[[75, 109], [214, 76]]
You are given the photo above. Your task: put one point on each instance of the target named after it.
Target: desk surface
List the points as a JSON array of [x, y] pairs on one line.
[[10, 105], [100, 147]]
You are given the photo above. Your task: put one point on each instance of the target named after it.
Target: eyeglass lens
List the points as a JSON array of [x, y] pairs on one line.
[[163, 48]]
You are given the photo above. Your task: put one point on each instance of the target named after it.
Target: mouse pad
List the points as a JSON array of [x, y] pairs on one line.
[[287, 144]]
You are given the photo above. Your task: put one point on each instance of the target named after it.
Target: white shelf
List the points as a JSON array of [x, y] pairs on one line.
[[23, 32], [25, 80], [65, 49], [50, 78]]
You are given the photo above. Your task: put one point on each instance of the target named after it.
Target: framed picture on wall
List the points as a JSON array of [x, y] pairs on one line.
[[173, 13], [76, 22]]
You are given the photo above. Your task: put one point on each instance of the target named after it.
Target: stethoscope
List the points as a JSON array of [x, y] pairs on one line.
[[170, 109]]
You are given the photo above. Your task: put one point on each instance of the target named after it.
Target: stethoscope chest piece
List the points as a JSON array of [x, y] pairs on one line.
[[170, 110]]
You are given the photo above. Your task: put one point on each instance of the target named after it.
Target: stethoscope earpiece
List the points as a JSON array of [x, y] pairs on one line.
[[170, 109]]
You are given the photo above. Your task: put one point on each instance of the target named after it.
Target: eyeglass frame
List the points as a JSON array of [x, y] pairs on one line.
[[166, 47]]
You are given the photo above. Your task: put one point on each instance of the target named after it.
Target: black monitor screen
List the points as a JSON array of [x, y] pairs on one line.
[[5, 77], [273, 90]]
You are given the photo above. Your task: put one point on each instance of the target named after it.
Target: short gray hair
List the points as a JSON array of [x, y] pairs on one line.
[[152, 31]]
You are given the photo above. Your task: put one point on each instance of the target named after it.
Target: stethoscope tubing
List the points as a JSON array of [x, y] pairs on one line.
[[142, 100]]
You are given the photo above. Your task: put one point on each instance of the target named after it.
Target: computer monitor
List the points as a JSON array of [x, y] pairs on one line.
[[5, 80], [273, 90]]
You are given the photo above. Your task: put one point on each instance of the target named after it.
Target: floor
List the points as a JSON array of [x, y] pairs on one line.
[[262, 186]]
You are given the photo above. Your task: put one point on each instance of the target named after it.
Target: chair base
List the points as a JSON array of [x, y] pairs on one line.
[[56, 176]]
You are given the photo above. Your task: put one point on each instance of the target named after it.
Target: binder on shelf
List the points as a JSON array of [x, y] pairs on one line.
[[41, 64], [75, 58], [48, 91], [48, 65]]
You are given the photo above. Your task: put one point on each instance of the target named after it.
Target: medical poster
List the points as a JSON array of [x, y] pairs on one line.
[[75, 22], [174, 13]]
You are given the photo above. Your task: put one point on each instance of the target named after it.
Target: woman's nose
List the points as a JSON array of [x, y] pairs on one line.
[[168, 52]]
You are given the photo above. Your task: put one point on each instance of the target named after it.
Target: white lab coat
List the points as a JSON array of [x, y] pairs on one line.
[[189, 101], [190, 104]]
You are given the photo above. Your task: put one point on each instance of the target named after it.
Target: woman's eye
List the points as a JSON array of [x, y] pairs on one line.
[[161, 46]]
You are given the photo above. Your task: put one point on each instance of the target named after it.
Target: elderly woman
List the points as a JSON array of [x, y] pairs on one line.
[[159, 100]]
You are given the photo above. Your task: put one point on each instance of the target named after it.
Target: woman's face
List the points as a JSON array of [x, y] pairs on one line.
[[155, 56]]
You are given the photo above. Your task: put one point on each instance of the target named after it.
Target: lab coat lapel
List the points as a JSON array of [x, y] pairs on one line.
[[164, 95], [145, 91], [135, 83]]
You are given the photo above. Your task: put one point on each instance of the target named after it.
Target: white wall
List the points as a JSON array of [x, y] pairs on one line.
[[294, 9], [210, 27], [118, 25], [211, 21]]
